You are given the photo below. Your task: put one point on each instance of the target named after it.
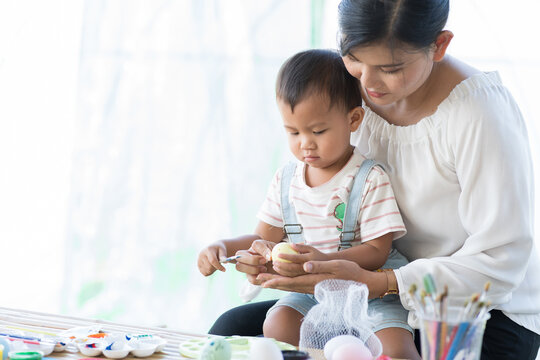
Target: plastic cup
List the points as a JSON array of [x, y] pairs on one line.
[[452, 339]]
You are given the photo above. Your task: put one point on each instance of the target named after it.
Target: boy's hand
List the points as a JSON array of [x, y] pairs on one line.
[[263, 248], [253, 261], [295, 266], [208, 261]]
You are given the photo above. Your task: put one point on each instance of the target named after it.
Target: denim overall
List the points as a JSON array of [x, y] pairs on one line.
[[391, 312], [294, 230]]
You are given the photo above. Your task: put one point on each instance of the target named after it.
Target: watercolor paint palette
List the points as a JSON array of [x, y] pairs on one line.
[[240, 346], [118, 346], [16, 340]]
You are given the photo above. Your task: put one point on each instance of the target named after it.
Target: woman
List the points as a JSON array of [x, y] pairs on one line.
[[456, 149]]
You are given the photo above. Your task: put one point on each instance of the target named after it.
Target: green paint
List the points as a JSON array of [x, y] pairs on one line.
[[339, 213], [89, 291], [317, 9], [25, 355]]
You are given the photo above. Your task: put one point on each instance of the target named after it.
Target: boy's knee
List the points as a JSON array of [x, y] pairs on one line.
[[276, 320], [283, 324], [398, 343]]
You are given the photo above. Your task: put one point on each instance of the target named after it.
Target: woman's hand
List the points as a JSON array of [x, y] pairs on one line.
[[296, 264], [317, 271]]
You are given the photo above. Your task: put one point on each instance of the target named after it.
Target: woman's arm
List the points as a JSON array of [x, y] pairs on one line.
[[321, 270], [370, 255]]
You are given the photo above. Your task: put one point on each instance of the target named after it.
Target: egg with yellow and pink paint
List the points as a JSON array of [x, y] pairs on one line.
[[282, 248]]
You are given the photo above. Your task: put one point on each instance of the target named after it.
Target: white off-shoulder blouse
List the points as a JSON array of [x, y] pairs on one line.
[[463, 180]]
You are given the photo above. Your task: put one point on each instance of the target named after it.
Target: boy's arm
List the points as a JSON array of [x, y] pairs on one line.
[[242, 242], [370, 255], [269, 232], [269, 236]]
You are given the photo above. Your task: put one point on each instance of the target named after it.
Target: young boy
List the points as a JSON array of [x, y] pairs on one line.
[[320, 104]]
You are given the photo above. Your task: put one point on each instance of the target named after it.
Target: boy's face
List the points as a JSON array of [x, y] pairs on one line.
[[318, 135]]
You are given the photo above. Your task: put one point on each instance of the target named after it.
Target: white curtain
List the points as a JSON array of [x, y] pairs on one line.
[[134, 133], [177, 137]]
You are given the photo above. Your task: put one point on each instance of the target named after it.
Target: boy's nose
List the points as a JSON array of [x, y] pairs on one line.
[[308, 143]]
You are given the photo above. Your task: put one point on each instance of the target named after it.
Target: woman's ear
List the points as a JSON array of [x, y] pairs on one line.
[[441, 44], [356, 116]]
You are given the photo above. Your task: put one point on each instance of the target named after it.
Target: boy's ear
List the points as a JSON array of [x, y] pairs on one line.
[[441, 44], [356, 116]]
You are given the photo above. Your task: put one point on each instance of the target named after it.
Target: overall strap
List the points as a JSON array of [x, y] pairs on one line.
[[353, 207], [291, 226]]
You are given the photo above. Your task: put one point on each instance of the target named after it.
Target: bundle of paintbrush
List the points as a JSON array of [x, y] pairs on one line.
[[449, 332]]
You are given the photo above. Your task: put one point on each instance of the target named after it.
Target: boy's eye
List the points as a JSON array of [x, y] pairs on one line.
[[319, 132], [293, 132]]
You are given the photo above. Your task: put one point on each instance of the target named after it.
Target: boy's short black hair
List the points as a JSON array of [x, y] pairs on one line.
[[317, 72]]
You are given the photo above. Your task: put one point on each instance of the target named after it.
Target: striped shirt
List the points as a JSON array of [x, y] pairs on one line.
[[318, 208]]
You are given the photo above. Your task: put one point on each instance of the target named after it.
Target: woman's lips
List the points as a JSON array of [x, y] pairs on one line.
[[375, 94]]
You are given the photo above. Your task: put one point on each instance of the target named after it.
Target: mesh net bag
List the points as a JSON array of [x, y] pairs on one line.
[[342, 310]]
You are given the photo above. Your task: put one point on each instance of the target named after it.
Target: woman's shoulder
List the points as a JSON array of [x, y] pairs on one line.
[[466, 83], [477, 95]]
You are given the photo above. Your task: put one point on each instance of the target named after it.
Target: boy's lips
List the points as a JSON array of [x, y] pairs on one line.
[[310, 158]]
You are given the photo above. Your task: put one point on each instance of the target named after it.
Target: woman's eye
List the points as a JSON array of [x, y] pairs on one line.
[[393, 71]]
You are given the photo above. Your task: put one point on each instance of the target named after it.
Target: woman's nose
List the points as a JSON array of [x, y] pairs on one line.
[[368, 79]]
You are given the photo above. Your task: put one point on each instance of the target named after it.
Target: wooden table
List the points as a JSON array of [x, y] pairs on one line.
[[48, 323], [53, 324]]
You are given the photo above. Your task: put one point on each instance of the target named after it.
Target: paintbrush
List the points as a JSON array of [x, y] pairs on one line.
[[230, 258]]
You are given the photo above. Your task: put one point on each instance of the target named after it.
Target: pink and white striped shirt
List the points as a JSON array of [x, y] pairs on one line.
[[315, 206]]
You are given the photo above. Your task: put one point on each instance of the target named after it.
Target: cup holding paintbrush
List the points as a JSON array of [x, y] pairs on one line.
[[450, 332], [453, 338]]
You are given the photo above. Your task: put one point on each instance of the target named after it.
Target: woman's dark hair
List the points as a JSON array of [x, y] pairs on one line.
[[317, 72], [416, 23]]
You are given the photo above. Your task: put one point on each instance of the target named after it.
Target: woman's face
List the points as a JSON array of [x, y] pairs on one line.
[[388, 76]]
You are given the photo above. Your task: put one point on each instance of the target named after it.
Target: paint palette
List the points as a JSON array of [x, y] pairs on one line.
[[240, 346], [22, 341], [118, 346]]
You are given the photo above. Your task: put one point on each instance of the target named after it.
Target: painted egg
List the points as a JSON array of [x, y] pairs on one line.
[[216, 349], [265, 349], [352, 351], [337, 342], [282, 248]]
